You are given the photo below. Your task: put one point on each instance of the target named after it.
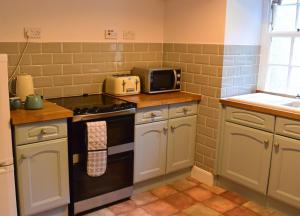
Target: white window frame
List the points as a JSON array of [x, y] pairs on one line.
[[266, 37]]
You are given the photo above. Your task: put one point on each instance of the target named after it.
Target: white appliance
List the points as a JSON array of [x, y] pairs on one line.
[[7, 182]]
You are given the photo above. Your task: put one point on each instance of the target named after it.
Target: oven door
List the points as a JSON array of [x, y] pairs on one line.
[[162, 80], [119, 171]]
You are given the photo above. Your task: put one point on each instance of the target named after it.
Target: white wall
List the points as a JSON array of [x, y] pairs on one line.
[[243, 22], [81, 20], [194, 21]]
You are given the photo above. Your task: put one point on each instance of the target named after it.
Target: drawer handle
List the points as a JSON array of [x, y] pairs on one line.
[[173, 127], [153, 115], [276, 145], [43, 132], [185, 109], [165, 129], [24, 157]]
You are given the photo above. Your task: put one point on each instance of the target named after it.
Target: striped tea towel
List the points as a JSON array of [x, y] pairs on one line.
[[96, 163]]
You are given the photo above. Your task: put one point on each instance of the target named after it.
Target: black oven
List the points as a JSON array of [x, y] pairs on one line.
[[117, 182]]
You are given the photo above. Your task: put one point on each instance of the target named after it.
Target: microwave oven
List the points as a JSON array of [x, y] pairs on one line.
[[158, 80]]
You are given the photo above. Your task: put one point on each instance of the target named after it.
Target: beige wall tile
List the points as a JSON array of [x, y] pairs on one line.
[[53, 92], [31, 47], [99, 68], [201, 79], [49, 70], [149, 56], [195, 48], [202, 59], [70, 47], [180, 48], [82, 58], [51, 47], [41, 59], [210, 49], [72, 69], [14, 59], [9, 47], [131, 57], [42, 82], [156, 47], [82, 79], [108, 47], [98, 78], [62, 80], [72, 90], [125, 47], [64, 58], [168, 47], [91, 89], [187, 58], [141, 47], [32, 70], [194, 68], [91, 47]]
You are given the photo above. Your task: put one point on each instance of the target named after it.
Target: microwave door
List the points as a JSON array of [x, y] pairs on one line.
[[162, 80]]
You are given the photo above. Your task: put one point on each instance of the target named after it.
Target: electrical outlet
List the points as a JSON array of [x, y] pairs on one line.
[[128, 35], [32, 33], [111, 34]]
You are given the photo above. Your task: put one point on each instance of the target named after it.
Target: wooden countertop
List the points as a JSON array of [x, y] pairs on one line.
[[148, 100], [280, 111], [50, 111]]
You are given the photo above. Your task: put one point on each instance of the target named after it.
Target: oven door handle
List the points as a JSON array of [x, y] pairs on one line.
[[175, 79], [120, 158]]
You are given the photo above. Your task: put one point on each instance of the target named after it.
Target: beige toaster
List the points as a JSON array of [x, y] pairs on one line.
[[121, 85]]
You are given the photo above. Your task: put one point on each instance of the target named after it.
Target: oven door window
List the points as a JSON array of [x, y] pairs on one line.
[[162, 80]]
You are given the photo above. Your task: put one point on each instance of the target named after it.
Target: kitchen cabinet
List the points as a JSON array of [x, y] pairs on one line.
[[181, 143], [246, 156], [42, 168], [150, 150], [164, 146], [262, 152], [285, 171]]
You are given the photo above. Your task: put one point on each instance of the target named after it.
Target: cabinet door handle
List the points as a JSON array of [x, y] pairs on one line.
[[266, 142], [173, 127], [153, 115], [185, 109], [276, 145], [24, 157], [165, 129]]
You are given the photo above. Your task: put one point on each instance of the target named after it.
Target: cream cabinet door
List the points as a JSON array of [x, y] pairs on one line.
[[43, 178], [284, 181], [150, 150], [246, 156], [181, 143]]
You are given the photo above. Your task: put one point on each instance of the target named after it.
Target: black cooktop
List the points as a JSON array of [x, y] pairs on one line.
[[92, 104]]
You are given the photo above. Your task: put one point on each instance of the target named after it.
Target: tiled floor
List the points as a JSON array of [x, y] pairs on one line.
[[186, 197]]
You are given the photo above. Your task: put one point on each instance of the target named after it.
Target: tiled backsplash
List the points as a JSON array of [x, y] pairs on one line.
[[213, 71], [65, 69]]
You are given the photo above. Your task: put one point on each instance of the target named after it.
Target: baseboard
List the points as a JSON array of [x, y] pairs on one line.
[[202, 176]]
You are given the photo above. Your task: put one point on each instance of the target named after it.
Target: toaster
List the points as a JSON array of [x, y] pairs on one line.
[[121, 85]]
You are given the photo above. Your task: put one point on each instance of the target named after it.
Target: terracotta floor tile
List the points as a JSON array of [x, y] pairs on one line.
[[200, 210], [220, 204], [240, 211], [163, 191], [160, 208], [199, 194], [136, 212], [123, 207], [214, 189], [189, 178], [180, 201], [183, 184], [102, 212], [258, 208], [234, 197], [143, 198]]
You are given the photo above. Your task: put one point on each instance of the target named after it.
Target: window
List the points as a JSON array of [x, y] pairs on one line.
[[282, 63]]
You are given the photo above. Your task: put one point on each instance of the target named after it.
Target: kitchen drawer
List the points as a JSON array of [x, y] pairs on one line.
[[287, 127], [250, 118], [41, 131], [151, 114], [183, 109]]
